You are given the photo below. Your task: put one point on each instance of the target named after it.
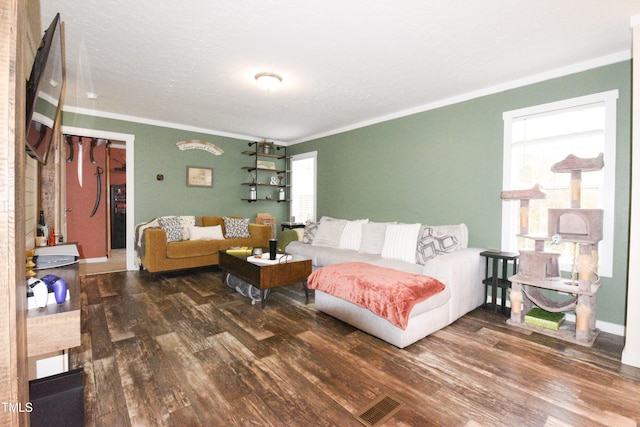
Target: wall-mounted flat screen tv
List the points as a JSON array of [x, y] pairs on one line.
[[44, 92]]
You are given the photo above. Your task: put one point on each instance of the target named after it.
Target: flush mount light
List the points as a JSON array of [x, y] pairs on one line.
[[92, 95], [268, 80]]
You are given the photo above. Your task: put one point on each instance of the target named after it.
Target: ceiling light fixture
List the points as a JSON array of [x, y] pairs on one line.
[[268, 80]]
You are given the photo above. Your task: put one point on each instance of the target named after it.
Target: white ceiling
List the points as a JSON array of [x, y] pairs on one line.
[[345, 63]]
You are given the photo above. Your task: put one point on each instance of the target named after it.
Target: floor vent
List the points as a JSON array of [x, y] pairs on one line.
[[378, 411]]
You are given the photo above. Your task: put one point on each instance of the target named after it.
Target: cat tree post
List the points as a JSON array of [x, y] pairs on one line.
[[585, 309], [575, 166], [524, 196], [576, 184]]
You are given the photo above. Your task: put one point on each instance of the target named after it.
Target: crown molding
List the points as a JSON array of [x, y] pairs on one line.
[[537, 78], [513, 84]]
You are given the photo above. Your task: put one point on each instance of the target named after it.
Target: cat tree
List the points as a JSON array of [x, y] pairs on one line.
[[539, 268]]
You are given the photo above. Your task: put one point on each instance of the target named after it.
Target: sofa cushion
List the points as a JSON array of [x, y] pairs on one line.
[[372, 239], [304, 250], [236, 228], [206, 233], [192, 248], [400, 241], [396, 264], [329, 233], [328, 256], [172, 227], [210, 221], [322, 255]]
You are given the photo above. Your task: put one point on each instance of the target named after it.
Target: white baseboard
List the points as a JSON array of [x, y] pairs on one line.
[[92, 260], [630, 358]]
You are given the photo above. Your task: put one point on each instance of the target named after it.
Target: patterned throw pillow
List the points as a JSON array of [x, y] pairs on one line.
[[310, 232], [433, 241], [236, 228], [172, 226], [187, 221]]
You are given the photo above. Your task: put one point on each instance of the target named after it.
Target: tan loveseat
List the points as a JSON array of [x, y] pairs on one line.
[[158, 255]]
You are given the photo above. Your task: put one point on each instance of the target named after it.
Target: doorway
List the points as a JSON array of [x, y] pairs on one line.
[[101, 182], [96, 199]]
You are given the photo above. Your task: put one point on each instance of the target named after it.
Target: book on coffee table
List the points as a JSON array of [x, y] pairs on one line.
[[240, 250]]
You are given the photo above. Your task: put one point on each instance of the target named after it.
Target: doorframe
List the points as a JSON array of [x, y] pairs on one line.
[[129, 141]]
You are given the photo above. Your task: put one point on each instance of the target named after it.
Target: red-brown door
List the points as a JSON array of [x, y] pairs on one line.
[[89, 232]]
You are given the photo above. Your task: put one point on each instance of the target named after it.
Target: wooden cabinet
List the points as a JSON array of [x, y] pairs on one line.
[[268, 176], [56, 327]]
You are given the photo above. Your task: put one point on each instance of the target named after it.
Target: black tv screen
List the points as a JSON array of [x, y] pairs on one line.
[[44, 92]]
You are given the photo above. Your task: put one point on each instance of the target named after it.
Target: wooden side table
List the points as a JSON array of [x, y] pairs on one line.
[[495, 280]]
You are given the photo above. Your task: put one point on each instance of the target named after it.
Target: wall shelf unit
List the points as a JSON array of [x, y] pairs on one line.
[[268, 174]]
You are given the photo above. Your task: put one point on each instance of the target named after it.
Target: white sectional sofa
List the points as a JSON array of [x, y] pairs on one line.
[[436, 251]]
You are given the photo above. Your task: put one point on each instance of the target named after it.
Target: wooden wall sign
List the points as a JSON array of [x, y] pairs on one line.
[[198, 144]]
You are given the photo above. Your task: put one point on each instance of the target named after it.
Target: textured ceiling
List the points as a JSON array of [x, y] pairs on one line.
[[344, 63]]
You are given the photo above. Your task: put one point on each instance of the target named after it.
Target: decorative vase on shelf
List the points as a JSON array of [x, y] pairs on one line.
[[30, 264], [266, 147]]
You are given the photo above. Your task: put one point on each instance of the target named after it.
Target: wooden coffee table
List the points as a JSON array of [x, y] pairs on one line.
[[265, 277]]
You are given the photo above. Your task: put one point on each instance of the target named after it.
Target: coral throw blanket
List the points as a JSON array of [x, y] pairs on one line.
[[391, 294]]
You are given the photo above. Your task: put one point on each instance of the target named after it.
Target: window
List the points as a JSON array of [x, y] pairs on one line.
[[537, 137], [303, 187]]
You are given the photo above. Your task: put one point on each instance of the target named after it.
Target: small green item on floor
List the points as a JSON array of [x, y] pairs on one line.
[[545, 319]]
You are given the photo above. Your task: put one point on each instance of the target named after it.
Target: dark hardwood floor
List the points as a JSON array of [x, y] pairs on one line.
[[186, 350]]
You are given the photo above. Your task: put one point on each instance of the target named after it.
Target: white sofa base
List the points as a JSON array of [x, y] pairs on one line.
[[418, 327], [461, 271]]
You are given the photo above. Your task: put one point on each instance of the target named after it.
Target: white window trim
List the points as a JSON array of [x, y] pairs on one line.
[[309, 155], [511, 208]]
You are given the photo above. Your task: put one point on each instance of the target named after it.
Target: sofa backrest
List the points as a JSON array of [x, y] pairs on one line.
[[209, 221]]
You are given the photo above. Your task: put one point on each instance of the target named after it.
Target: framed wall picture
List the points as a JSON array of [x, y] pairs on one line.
[[199, 177]]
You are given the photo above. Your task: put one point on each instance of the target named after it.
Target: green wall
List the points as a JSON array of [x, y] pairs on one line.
[[444, 166], [155, 152]]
